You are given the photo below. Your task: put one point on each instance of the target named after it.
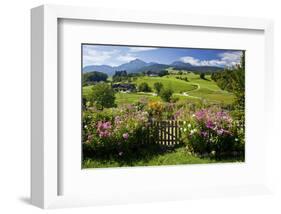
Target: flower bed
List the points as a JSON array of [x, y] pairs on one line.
[[213, 131], [208, 131], [113, 129]]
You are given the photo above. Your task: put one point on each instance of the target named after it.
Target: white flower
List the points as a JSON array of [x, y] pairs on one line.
[[193, 115], [189, 125], [85, 126], [193, 131], [236, 139], [184, 129], [184, 122]]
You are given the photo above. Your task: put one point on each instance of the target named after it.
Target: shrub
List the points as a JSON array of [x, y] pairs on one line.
[[166, 94], [202, 76], [103, 96], [155, 109], [113, 129], [120, 76], [158, 86], [144, 87], [213, 131], [174, 99], [93, 77]]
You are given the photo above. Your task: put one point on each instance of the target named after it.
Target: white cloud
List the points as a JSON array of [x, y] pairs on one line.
[[231, 58], [226, 59], [139, 49], [126, 58], [94, 57], [113, 57], [191, 60]]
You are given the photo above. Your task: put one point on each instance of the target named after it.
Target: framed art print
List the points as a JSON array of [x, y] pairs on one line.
[[134, 107]]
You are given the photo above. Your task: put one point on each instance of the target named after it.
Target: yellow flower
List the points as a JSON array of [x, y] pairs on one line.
[[156, 106]]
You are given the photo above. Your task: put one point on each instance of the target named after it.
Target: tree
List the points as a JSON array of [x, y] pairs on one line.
[[202, 76], [103, 96], [144, 87], [93, 77], [158, 86], [166, 94], [233, 80], [120, 76], [163, 73]]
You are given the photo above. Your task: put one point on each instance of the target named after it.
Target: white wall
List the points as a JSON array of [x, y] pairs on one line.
[[14, 108]]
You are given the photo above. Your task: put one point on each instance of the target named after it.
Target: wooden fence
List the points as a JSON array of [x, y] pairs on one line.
[[166, 132]]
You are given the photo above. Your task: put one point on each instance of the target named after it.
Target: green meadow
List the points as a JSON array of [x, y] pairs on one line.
[[193, 89]]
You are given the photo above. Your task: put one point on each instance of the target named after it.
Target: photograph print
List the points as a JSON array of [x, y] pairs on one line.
[[155, 106]]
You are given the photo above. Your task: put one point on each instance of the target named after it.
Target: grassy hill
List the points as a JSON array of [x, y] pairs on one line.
[[177, 85], [207, 89], [193, 90]]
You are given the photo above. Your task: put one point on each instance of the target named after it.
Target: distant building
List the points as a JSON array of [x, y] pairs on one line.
[[124, 87], [153, 75]]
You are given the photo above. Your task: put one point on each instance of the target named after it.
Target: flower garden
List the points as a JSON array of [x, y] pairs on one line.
[[114, 136]]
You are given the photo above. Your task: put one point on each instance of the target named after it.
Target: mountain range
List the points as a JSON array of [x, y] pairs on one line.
[[137, 65]]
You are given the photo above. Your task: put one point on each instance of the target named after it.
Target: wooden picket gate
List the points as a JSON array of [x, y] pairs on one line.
[[166, 132]]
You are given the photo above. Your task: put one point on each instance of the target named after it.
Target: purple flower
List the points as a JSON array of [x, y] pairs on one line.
[[125, 136], [204, 134], [106, 125], [103, 129], [200, 114], [104, 134], [209, 124], [117, 120]]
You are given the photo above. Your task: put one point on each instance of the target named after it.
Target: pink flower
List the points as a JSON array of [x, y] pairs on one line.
[[200, 114], [125, 136], [117, 120], [209, 124], [103, 129], [204, 134]]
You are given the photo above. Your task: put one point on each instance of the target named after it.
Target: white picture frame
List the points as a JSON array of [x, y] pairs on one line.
[[45, 155]]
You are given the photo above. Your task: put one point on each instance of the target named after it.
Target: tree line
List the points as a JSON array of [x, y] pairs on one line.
[[233, 80]]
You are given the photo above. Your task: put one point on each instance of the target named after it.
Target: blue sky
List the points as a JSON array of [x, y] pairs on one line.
[[116, 55]]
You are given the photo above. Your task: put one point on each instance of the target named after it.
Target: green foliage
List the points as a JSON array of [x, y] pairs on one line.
[[202, 76], [174, 99], [196, 88], [103, 96], [163, 73], [112, 131], [182, 78], [120, 76], [215, 132], [112, 136], [144, 87], [169, 81], [233, 80], [149, 155], [166, 94], [158, 86], [93, 77], [156, 72]]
